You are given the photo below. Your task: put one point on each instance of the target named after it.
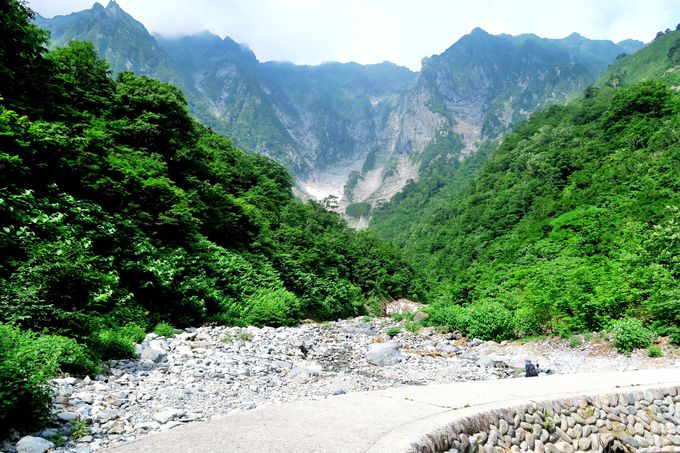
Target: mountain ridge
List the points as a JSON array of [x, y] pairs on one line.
[[338, 131]]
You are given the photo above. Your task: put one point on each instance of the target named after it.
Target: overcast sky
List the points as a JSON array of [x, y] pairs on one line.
[[372, 31]]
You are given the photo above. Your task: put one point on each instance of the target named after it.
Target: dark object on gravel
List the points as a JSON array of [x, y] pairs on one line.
[[529, 369]]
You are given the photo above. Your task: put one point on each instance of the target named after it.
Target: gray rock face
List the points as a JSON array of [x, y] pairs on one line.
[[30, 444], [323, 122], [383, 354]]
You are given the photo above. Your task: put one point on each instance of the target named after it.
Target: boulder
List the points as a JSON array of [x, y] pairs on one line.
[[167, 415], [486, 362], [383, 354], [68, 416], [419, 316], [155, 355], [302, 373], [30, 444], [402, 306], [184, 350]]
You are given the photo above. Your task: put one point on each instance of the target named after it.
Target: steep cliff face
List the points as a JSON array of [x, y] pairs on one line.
[[221, 80], [117, 36], [357, 132], [471, 93]]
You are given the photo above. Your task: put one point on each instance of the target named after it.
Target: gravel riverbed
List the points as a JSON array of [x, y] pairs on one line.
[[208, 372]]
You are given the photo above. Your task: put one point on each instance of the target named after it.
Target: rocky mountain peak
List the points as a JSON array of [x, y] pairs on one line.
[[358, 132]]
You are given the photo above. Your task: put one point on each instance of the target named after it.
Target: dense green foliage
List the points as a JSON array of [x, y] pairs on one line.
[[314, 119], [629, 334], [572, 222], [118, 212], [26, 362], [652, 62]]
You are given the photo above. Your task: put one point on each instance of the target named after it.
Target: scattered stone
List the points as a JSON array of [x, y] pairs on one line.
[[383, 354], [419, 316], [167, 415], [30, 444], [487, 362], [212, 371], [152, 354], [68, 416]]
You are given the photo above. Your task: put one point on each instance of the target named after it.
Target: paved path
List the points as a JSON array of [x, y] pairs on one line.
[[381, 421]]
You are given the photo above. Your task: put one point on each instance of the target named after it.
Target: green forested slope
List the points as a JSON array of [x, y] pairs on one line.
[[659, 60], [118, 211], [571, 223]]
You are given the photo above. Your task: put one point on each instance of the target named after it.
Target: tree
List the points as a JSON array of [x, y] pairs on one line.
[[330, 202], [81, 80], [152, 115], [22, 65]]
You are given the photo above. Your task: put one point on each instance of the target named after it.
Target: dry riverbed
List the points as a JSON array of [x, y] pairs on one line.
[[208, 372]]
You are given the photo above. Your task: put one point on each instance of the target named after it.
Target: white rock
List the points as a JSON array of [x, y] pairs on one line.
[[383, 354], [30, 444], [155, 355], [167, 415], [68, 416], [184, 350], [85, 397]]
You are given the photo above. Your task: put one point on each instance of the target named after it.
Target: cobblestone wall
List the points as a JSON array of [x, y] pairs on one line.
[[634, 421]]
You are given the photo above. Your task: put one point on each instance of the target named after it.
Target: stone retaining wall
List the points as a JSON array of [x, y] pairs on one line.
[[637, 421]]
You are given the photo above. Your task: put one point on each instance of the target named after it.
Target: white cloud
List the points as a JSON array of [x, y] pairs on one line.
[[371, 31]]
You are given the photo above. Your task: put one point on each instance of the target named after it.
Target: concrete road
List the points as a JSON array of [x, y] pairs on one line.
[[381, 421]]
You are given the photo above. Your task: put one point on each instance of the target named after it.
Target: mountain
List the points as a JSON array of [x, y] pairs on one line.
[[569, 224], [358, 132], [120, 212], [658, 61], [594, 54], [118, 37]]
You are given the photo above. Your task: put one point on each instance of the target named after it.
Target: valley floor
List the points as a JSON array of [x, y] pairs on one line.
[[212, 371]]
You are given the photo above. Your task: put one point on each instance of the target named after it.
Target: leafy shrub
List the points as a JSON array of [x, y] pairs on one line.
[[489, 320], [393, 331], [574, 341], [549, 422], [66, 355], [27, 362], [244, 335], [412, 327], [118, 342], [629, 334], [163, 329], [272, 307], [675, 336], [654, 351], [79, 428], [447, 314]]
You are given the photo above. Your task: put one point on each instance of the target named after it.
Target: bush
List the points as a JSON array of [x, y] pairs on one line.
[[67, 355], [446, 314], [574, 341], [118, 342], [27, 362], [654, 351], [489, 320], [163, 329], [272, 307], [629, 334], [412, 327], [393, 331]]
